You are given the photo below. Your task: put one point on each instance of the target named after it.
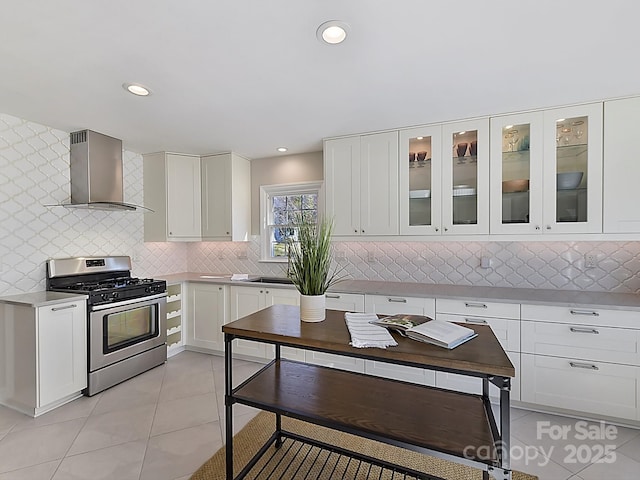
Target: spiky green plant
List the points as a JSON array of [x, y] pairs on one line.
[[309, 258]]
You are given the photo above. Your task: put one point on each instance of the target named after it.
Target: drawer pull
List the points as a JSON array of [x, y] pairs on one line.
[[584, 312], [397, 300], [475, 305], [588, 366], [583, 330], [56, 309], [476, 321], [332, 295]]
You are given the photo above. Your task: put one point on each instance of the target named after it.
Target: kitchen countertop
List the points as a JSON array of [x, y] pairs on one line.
[[565, 298], [42, 299]]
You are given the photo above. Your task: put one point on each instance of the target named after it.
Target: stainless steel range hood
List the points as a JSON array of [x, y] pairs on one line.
[[96, 173]]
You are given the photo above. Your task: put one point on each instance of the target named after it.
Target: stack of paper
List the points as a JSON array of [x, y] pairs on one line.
[[364, 334]]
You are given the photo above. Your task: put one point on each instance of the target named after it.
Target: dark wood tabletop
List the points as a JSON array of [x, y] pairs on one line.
[[280, 324]]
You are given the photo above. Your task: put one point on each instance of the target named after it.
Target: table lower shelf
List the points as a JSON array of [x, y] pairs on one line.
[[300, 458], [377, 408]]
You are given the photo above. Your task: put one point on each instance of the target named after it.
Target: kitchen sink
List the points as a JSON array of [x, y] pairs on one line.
[[282, 280]]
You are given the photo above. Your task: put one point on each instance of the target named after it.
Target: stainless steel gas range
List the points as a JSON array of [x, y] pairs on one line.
[[126, 316]]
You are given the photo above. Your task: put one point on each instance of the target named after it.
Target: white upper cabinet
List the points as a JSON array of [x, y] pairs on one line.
[[516, 173], [546, 171], [361, 176], [420, 170], [465, 177], [444, 179], [172, 191], [572, 173], [621, 167], [196, 198], [226, 197]]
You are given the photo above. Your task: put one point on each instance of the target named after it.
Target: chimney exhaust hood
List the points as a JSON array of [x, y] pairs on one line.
[[96, 173]]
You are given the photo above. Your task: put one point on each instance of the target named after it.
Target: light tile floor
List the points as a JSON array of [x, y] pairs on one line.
[[163, 424]]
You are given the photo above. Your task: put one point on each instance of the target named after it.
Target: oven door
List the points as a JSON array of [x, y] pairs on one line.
[[123, 329]]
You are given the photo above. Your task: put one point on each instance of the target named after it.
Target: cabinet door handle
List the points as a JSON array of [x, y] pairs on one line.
[[548, 227], [475, 305], [591, 313], [355, 230], [397, 300], [56, 309], [331, 295], [537, 227], [583, 330], [437, 229], [476, 321], [588, 366]]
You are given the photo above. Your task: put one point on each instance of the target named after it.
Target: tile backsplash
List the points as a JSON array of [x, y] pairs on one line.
[[549, 265], [34, 172]]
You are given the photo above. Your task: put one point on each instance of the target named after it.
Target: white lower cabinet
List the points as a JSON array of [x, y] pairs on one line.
[[504, 320], [581, 359], [208, 311], [391, 305], [349, 302], [246, 300], [43, 353], [598, 388]]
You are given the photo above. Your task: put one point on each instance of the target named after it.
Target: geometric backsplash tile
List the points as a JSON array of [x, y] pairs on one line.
[[34, 171]]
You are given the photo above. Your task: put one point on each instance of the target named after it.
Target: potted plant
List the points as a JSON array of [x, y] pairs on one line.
[[309, 267]]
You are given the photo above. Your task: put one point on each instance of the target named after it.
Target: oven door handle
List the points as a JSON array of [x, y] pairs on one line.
[[106, 306]]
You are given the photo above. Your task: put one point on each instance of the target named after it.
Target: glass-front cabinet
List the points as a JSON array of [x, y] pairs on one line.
[[546, 171], [573, 169], [420, 186], [516, 173], [465, 177]]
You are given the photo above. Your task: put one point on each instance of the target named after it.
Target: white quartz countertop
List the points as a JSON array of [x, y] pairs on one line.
[[42, 299], [570, 298]]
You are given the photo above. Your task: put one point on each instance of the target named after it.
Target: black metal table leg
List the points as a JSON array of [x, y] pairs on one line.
[[228, 405]]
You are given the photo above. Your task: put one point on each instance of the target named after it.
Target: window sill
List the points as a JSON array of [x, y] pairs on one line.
[[273, 260]]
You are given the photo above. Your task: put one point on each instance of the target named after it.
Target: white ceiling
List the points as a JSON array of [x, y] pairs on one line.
[[250, 75]]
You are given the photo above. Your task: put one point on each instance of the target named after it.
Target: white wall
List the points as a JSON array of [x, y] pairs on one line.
[[34, 171]]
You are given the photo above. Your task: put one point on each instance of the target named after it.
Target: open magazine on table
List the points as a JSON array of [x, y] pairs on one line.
[[425, 329]]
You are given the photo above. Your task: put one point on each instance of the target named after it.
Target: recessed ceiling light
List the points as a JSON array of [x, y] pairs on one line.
[[282, 149], [419, 138], [462, 133], [136, 89], [560, 120], [332, 32]]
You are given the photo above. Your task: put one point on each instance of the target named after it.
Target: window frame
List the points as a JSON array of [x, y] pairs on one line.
[[268, 191]]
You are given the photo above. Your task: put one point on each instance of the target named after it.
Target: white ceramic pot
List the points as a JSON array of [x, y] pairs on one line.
[[312, 308]]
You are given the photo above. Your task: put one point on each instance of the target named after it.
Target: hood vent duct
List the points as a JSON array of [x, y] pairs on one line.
[[97, 173]]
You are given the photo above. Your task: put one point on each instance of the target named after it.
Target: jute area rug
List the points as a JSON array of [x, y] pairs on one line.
[[318, 464]]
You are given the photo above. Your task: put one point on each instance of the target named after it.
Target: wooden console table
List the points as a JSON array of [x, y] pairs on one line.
[[455, 426]]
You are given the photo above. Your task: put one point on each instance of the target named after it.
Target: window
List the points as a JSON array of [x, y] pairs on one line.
[[281, 207]]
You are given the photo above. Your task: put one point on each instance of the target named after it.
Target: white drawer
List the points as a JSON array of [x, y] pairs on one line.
[[583, 316], [507, 331], [400, 372], [572, 384], [349, 302], [392, 304], [478, 308], [341, 362], [604, 344]]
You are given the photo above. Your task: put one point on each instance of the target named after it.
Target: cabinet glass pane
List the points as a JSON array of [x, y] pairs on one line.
[[465, 177], [571, 169], [516, 173], [419, 165]]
